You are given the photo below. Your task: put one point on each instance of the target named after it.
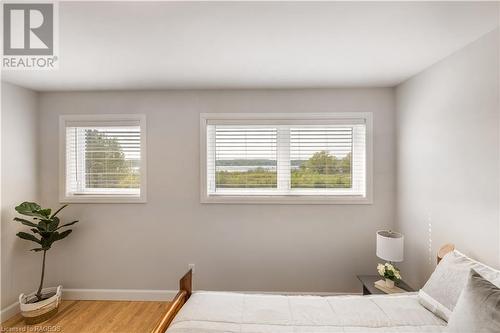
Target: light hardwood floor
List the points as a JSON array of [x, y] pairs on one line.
[[96, 317]]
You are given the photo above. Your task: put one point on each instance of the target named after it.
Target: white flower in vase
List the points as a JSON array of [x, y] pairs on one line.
[[390, 273]]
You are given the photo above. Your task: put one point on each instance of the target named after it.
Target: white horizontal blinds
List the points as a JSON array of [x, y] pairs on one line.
[[73, 163], [359, 159], [321, 157], [211, 159], [284, 162], [244, 157], [299, 157], [103, 160]]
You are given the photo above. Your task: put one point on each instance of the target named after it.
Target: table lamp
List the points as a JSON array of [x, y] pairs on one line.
[[390, 245]]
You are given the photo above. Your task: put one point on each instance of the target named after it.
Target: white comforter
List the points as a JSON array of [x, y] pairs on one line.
[[217, 312]]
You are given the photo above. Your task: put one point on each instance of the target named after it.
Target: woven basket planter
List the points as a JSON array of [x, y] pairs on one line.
[[34, 313]]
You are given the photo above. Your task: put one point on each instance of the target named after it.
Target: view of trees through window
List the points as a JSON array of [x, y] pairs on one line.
[[321, 170], [111, 160]]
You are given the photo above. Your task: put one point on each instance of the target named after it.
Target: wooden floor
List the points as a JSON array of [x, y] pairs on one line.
[[95, 317]]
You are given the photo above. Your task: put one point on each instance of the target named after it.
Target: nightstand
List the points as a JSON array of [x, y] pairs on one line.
[[367, 281]]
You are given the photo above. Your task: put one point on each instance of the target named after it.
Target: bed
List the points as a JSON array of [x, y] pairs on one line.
[[217, 312]]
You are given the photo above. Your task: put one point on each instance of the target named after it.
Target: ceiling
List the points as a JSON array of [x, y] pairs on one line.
[[209, 45]]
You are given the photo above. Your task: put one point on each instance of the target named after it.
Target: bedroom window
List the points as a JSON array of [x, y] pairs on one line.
[[103, 158], [286, 158]]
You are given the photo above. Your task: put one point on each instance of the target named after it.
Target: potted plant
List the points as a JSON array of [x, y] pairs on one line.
[[45, 230], [390, 273]]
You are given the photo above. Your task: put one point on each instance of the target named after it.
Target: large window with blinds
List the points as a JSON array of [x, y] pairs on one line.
[[103, 158], [286, 158]]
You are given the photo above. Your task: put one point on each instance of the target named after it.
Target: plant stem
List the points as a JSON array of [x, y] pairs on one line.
[[39, 292]]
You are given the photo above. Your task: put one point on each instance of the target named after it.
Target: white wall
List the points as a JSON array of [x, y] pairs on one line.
[[235, 247], [20, 267], [448, 151], [448, 188]]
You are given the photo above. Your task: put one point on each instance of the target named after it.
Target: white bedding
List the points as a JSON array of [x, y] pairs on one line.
[[217, 312]]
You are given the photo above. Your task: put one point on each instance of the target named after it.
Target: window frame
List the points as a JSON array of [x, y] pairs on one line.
[[110, 120], [299, 118]]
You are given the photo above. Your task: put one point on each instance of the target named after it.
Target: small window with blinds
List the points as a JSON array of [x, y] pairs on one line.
[[286, 158], [103, 157]]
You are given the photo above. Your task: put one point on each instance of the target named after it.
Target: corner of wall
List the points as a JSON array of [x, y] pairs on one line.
[[459, 94], [19, 180]]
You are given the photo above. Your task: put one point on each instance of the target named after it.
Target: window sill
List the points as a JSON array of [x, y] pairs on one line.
[[102, 199], [287, 199]]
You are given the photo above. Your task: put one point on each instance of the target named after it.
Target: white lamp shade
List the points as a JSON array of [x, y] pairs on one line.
[[390, 245]]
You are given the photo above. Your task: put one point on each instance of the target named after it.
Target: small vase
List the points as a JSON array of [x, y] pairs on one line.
[[389, 283]]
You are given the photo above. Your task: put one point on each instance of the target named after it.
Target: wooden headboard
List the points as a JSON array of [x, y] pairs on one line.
[[445, 249]]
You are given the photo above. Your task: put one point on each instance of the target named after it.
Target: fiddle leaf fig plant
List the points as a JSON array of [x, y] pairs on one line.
[[45, 230]]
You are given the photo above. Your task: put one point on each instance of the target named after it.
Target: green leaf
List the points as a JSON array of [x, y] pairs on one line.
[[28, 207], [67, 225], [43, 225], [46, 234], [26, 222], [52, 225], [33, 209], [63, 234], [38, 249], [45, 212], [57, 211], [46, 242], [29, 237]]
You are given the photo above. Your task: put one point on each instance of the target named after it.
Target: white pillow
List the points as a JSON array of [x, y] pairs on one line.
[[440, 294], [478, 307]]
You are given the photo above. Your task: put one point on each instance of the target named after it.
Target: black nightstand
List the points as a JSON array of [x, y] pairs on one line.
[[368, 284]]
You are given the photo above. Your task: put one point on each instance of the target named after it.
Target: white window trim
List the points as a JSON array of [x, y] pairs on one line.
[[108, 198], [278, 118]]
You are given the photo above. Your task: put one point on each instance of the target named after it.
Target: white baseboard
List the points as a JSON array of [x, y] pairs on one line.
[[9, 312], [118, 294]]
